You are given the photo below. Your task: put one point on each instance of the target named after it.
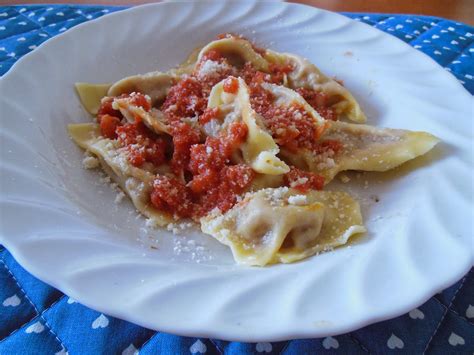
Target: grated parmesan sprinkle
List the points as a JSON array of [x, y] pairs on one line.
[[210, 68], [298, 200], [120, 196], [90, 162]]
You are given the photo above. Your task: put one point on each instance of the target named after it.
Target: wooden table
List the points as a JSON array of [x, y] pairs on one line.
[[459, 10]]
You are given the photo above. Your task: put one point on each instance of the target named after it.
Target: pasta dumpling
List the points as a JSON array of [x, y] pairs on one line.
[[259, 149], [136, 182], [362, 147], [283, 225]]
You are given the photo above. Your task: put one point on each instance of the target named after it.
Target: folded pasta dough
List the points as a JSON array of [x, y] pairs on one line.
[[259, 150], [154, 84], [91, 94], [283, 225], [237, 51], [135, 182], [364, 148], [306, 75], [153, 118], [287, 97]]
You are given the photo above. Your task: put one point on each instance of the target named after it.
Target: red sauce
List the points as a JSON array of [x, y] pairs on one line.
[[215, 182], [291, 126], [231, 85], [172, 196], [141, 144], [303, 180], [184, 136], [213, 55], [320, 102], [208, 115], [138, 99], [106, 109], [185, 99], [108, 125]]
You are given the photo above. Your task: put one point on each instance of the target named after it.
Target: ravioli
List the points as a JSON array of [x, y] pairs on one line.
[[259, 150], [91, 94], [135, 182], [307, 75], [241, 140], [283, 225], [365, 148]]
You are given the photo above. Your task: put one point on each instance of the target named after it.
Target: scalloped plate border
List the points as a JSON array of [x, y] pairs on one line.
[[77, 255]]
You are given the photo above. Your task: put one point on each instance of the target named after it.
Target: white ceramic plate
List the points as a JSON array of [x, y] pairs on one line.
[[63, 226]]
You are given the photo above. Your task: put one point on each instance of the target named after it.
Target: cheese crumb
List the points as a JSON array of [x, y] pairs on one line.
[[150, 223], [345, 179], [298, 200], [90, 162], [119, 197]]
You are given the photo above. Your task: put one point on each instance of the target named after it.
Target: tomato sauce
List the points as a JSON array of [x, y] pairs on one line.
[[215, 182], [320, 102], [141, 144], [303, 181]]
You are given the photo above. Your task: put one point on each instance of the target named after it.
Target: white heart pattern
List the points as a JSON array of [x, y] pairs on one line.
[[12, 301], [264, 347], [130, 350], [470, 311], [330, 342], [435, 36], [198, 347], [62, 352], [395, 342], [398, 27], [35, 328], [100, 322], [416, 314], [71, 300], [456, 340]]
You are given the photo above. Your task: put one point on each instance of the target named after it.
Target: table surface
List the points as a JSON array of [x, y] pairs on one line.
[[459, 10]]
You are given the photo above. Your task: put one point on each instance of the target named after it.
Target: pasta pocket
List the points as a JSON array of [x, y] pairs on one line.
[[136, 182], [310, 81], [361, 147], [259, 149], [283, 225]]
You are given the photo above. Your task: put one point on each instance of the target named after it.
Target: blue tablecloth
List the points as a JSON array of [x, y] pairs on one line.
[[38, 319]]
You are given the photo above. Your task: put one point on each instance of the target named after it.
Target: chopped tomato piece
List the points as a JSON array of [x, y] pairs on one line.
[[107, 109], [108, 125], [142, 145], [170, 195], [140, 100], [303, 180], [231, 85], [208, 115]]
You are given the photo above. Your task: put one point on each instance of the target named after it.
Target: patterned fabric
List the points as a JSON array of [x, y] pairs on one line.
[[38, 319]]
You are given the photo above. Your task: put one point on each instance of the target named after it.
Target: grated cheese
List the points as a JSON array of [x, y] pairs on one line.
[[120, 196], [211, 68], [298, 200], [90, 162]]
